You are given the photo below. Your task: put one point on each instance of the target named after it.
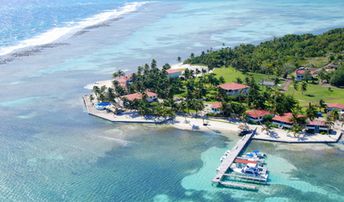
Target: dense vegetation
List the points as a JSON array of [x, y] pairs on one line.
[[278, 56]]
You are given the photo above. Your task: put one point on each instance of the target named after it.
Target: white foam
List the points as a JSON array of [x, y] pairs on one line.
[[72, 28]]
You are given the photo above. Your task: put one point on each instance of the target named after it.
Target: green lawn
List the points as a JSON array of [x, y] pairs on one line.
[[316, 92], [230, 74]]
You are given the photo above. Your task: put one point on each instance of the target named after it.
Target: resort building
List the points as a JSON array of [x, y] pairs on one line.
[[335, 106], [317, 126], [124, 81], [302, 71], [216, 107], [256, 115], [283, 121], [151, 97], [174, 73], [234, 89]]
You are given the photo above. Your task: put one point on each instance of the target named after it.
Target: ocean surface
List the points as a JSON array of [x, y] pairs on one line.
[[51, 150]]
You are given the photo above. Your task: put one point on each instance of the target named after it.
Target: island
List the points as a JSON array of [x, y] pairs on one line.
[[287, 89]]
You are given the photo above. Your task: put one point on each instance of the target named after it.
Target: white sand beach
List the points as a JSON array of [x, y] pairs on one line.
[[275, 135]]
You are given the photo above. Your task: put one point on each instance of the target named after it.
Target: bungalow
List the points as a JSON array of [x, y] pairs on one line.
[[335, 106], [234, 89], [216, 107], [285, 120], [317, 126], [302, 71], [256, 115], [124, 81], [174, 73], [151, 97]]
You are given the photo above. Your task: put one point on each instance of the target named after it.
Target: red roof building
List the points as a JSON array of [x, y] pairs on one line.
[[257, 113], [338, 106], [174, 73], [234, 88], [138, 96], [317, 123], [285, 120], [123, 80], [317, 126], [216, 105]]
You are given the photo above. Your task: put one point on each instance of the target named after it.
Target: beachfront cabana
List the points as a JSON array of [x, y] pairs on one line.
[[174, 73], [124, 81], [216, 107], [284, 120], [317, 126], [256, 115], [234, 89], [335, 106]]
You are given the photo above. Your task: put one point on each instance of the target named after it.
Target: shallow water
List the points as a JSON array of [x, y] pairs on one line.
[[53, 151]]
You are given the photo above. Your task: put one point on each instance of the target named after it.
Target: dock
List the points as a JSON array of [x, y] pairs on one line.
[[254, 179], [227, 162], [239, 185]]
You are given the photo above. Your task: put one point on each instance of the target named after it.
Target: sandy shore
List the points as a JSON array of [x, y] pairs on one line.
[[275, 135]]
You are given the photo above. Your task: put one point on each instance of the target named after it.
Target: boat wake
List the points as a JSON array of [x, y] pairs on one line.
[[53, 37]]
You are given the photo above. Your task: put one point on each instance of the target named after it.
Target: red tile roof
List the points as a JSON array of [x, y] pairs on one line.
[[122, 80], [216, 105], [138, 96], [316, 123], [336, 105], [300, 71], [286, 118], [232, 86], [255, 113], [172, 71], [132, 97]]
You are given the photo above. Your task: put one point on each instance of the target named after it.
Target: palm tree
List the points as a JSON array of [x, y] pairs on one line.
[[296, 129], [304, 87], [296, 85], [311, 111], [267, 127], [322, 104], [119, 73]]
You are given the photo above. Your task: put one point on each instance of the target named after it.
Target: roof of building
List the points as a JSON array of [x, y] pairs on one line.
[[286, 117], [216, 105], [256, 113], [317, 123], [336, 105], [138, 96], [172, 71], [232, 86], [300, 71], [122, 80]]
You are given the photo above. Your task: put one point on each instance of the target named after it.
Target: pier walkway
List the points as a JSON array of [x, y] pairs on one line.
[[227, 162]]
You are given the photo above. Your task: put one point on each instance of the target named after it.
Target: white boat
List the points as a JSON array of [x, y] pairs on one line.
[[255, 173]]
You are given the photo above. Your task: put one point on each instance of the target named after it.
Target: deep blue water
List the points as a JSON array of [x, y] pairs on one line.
[[51, 150]]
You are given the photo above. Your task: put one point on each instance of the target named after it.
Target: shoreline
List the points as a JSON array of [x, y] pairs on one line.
[[219, 126]]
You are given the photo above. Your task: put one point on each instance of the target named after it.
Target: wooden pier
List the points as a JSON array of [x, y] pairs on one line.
[[238, 185], [253, 179], [227, 162]]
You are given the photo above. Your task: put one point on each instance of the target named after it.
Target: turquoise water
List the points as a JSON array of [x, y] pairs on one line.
[[53, 151]]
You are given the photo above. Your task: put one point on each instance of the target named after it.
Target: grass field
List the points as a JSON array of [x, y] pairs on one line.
[[313, 94], [316, 92], [230, 74]]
